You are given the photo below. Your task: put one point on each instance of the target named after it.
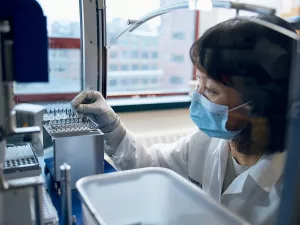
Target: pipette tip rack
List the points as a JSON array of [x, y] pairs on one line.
[[61, 118]]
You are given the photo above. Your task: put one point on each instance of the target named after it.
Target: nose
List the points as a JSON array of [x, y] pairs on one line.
[[200, 87]]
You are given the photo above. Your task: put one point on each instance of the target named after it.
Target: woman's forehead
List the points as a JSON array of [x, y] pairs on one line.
[[204, 77]]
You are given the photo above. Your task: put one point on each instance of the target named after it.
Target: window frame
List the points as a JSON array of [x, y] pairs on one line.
[[76, 43]]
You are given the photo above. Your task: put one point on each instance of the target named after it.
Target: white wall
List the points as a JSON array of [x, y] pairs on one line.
[[157, 121]]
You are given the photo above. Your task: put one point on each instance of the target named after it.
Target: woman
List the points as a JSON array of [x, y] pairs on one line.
[[236, 155]]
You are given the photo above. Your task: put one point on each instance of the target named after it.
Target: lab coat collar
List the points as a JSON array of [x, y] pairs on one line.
[[266, 172]]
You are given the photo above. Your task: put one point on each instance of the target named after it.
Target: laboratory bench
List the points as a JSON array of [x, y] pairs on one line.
[[109, 167]]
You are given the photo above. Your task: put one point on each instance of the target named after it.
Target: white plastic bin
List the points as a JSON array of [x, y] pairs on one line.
[[149, 196]]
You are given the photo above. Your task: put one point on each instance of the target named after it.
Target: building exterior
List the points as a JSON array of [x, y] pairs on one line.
[[145, 60], [177, 34]]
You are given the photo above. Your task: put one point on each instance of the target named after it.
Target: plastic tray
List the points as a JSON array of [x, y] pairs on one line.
[[20, 161], [50, 216], [149, 196]]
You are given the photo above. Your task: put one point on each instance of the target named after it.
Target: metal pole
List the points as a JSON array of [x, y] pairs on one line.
[[290, 198], [89, 44], [38, 203], [66, 194], [2, 117], [102, 52]]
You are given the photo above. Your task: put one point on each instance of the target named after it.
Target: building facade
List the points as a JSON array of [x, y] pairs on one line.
[[160, 56]]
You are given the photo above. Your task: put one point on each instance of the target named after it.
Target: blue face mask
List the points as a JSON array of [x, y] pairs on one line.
[[210, 118]]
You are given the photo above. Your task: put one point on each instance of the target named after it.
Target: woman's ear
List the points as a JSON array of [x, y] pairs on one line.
[[260, 133]]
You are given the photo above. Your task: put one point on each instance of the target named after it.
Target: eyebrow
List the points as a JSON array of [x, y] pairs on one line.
[[207, 77]]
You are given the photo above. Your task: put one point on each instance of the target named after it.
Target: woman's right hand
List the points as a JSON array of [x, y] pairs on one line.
[[93, 104]]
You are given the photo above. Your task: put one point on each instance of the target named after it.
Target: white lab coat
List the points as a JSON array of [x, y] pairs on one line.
[[254, 194]]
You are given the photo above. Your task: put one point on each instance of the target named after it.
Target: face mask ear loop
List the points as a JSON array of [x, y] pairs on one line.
[[239, 106]]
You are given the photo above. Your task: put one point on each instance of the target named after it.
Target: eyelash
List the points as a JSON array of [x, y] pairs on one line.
[[211, 92]]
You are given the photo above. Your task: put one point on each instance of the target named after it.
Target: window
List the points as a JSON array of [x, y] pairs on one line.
[[154, 67], [176, 80], [125, 54], [113, 67], [143, 48], [148, 45], [145, 67], [177, 58], [63, 53], [113, 54], [135, 67], [154, 55], [124, 67], [125, 82], [145, 55], [145, 81], [61, 69], [178, 35], [52, 53], [113, 83], [135, 81], [154, 80], [135, 54]]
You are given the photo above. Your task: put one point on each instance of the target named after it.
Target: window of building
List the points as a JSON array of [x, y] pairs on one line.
[[145, 81], [113, 67], [178, 35], [113, 83], [154, 80], [113, 54], [177, 58], [125, 82], [52, 54], [125, 54], [145, 67], [61, 69], [153, 67], [63, 53], [135, 67], [176, 79], [135, 81], [154, 55], [135, 54], [145, 55], [124, 67]]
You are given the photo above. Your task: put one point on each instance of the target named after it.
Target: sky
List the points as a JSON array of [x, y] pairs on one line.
[[69, 9]]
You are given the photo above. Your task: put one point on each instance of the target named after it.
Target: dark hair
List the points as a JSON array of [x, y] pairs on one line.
[[260, 57]]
